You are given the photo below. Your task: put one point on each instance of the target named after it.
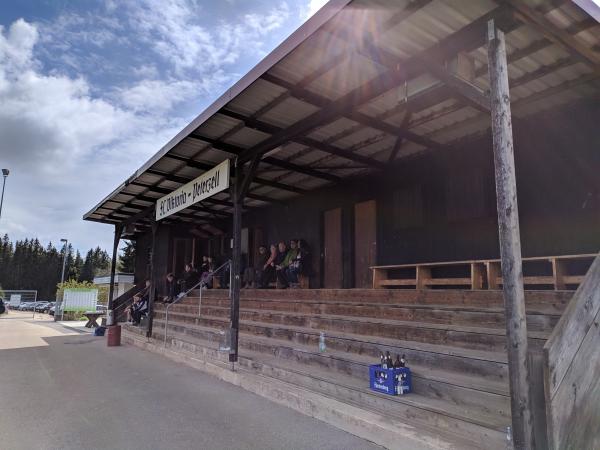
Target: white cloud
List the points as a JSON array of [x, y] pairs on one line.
[[65, 147], [311, 8], [68, 139], [173, 30]]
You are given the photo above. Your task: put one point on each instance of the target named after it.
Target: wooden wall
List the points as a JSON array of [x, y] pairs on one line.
[[442, 207], [572, 370]]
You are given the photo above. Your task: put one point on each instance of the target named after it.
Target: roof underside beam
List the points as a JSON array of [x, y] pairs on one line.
[[235, 150], [560, 37], [467, 38], [321, 146]]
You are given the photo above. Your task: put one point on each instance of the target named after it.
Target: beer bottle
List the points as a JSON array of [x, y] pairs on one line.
[[403, 361], [383, 361], [397, 363], [388, 360]]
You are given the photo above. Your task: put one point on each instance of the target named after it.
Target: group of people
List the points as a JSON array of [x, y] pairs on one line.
[[281, 263], [191, 278]]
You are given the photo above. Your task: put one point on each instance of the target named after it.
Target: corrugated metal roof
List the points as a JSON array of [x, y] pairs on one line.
[[344, 48]]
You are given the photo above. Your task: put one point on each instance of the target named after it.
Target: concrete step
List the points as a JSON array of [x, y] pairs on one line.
[[435, 414], [259, 322], [441, 314], [469, 392]]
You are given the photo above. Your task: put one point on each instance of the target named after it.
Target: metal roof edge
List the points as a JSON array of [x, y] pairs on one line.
[[302, 33]]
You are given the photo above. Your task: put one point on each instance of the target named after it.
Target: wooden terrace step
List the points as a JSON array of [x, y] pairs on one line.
[[435, 413], [442, 314], [260, 322]]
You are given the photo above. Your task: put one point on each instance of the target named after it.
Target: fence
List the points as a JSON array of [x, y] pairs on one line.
[[16, 297]]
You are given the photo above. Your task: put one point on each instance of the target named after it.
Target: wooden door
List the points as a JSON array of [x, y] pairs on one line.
[[332, 249], [365, 242]]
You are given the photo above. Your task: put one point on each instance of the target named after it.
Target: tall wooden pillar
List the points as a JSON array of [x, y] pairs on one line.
[[111, 320], [510, 241], [238, 199], [153, 281], [242, 184]]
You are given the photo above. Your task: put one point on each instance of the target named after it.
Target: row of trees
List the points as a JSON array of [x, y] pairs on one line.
[[27, 264]]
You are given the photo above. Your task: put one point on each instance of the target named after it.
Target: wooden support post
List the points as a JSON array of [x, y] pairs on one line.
[[510, 241], [242, 184], [558, 273], [235, 263], [477, 275], [111, 319], [153, 283], [423, 274], [378, 275], [493, 272]]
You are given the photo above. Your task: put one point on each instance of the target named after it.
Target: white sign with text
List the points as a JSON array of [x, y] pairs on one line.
[[206, 185]]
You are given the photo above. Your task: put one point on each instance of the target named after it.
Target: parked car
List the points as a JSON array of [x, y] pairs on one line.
[[52, 310], [100, 308], [40, 306], [26, 306], [47, 306]]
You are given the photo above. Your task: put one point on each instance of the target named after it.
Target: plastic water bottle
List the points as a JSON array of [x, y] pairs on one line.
[[322, 342], [509, 442]]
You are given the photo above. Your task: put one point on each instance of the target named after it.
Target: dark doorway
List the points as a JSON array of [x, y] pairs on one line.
[[365, 242], [332, 249]]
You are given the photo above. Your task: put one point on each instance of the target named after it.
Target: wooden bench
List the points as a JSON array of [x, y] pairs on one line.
[[483, 274]]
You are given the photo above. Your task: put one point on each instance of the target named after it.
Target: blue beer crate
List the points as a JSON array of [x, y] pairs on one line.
[[386, 380]]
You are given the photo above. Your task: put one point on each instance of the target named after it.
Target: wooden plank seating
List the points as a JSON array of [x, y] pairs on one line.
[[559, 272], [454, 341]]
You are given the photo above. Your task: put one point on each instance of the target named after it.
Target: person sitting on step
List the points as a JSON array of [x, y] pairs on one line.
[[253, 274], [283, 265], [263, 257], [171, 288], [298, 265], [131, 308], [139, 308], [189, 278], [268, 268]]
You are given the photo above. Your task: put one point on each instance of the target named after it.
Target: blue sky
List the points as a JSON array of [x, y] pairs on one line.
[[90, 89]]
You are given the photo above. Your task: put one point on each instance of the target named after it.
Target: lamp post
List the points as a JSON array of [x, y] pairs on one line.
[[62, 280], [5, 173]]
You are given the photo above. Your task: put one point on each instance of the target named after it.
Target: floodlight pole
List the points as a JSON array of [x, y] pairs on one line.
[[5, 173], [62, 281]]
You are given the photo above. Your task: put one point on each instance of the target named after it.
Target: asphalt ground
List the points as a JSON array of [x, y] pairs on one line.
[[61, 388]]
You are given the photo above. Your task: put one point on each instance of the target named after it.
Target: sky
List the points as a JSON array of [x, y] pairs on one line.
[[90, 89]]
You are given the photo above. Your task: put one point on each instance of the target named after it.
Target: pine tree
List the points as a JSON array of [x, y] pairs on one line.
[[127, 259], [87, 270], [29, 265]]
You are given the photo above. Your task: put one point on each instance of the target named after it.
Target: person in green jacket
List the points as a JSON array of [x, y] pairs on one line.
[[282, 267]]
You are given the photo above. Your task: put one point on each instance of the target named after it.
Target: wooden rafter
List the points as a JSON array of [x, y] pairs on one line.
[[322, 146], [553, 33]]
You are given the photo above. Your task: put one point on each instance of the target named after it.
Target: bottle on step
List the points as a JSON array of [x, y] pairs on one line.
[[322, 346]]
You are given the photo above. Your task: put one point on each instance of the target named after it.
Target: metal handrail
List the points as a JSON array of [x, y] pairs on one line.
[[210, 275], [182, 295]]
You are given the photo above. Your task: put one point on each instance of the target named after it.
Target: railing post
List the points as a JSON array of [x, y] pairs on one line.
[[510, 241]]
